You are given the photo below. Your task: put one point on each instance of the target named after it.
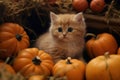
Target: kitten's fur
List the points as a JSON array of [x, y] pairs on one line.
[[64, 43]]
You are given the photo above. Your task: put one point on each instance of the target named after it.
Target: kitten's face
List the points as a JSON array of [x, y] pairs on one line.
[[67, 27]]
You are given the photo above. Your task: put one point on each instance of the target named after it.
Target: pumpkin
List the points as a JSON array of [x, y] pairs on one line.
[[100, 44], [33, 61], [118, 51], [104, 67], [7, 67], [80, 5], [13, 38], [73, 69], [37, 77], [97, 5]]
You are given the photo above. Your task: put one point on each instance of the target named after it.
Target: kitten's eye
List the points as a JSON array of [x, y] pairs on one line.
[[59, 29], [70, 29]]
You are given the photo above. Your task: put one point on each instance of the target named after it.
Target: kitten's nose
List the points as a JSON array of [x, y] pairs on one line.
[[64, 34]]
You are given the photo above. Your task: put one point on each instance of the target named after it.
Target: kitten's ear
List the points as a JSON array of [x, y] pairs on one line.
[[79, 17], [53, 17]]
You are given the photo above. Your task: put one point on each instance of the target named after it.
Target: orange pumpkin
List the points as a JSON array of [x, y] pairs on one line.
[[37, 77], [7, 67], [73, 69], [105, 67], [118, 51], [100, 44], [97, 5], [80, 5], [13, 38], [33, 61]]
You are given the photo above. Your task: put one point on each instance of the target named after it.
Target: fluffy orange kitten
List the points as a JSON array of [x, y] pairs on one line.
[[65, 37]]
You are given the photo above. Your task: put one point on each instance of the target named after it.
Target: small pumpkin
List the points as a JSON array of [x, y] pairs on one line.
[[73, 69], [118, 51], [97, 5], [7, 67], [33, 61], [100, 44], [37, 77], [104, 67], [80, 5], [13, 38]]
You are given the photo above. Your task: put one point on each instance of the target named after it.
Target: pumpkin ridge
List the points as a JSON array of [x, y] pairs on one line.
[[110, 75], [26, 42], [46, 64], [45, 69], [16, 47], [18, 28], [5, 28], [90, 48], [103, 47], [38, 70], [19, 66], [30, 70], [5, 41], [25, 37], [59, 72], [8, 35], [8, 50], [25, 68], [29, 53], [107, 66], [92, 52], [24, 54], [43, 57]]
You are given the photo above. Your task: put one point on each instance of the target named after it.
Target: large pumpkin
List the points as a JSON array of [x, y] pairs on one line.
[[73, 69], [13, 38], [33, 61], [105, 67], [100, 44]]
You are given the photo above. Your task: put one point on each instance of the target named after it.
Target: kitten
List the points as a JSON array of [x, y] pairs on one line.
[[65, 37]]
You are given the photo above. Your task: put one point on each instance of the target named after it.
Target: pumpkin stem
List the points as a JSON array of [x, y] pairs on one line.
[[36, 60], [107, 55], [68, 60], [7, 60], [18, 37], [90, 34]]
